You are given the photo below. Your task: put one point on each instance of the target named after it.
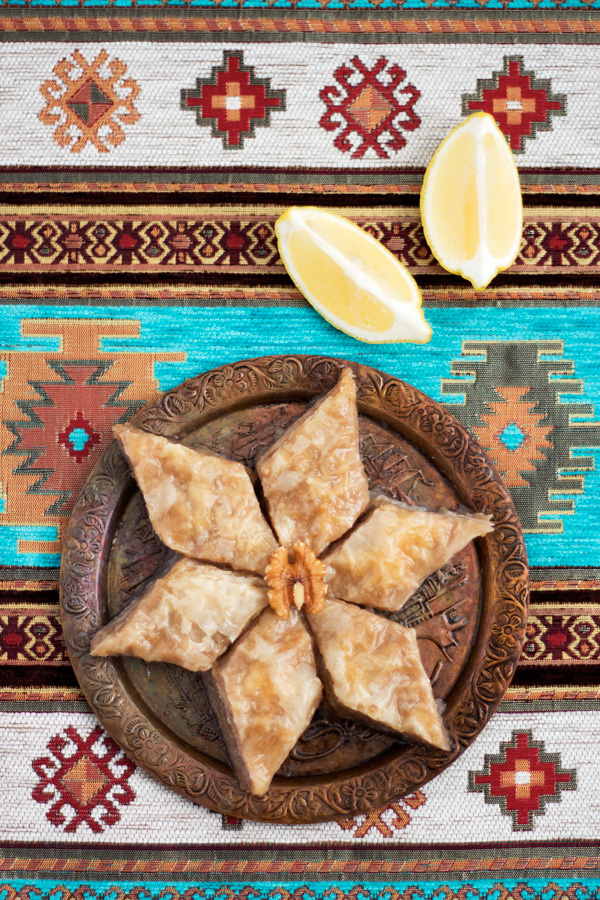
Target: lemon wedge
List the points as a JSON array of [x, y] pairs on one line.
[[471, 203], [350, 278]]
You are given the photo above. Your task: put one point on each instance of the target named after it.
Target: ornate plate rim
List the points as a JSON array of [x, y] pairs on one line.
[[485, 677]]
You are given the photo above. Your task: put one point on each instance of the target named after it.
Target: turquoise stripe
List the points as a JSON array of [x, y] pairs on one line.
[[10, 535], [472, 889], [215, 336], [315, 5]]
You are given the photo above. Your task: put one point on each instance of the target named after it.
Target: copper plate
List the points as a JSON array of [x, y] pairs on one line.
[[470, 615]]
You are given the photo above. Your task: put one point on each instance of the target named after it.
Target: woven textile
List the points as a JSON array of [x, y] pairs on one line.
[[146, 150]]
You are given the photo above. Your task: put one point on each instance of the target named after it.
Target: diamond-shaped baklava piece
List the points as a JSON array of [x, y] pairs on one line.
[[372, 668], [387, 557], [265, 692], [312, 477], [200, 504], [189, 617]]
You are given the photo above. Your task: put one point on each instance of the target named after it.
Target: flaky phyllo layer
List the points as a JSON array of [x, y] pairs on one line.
[[270, 614]]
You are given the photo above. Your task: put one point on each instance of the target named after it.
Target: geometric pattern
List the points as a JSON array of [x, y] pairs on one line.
[[89, 102], [79, 437], [45, 440], [522, 779], [514, 401], [57, 410], [85, 780], [520, 103], [233, 102], [244, 240], [31, 634], [561, 636], [386, 821], [557, 635], [371, 107]]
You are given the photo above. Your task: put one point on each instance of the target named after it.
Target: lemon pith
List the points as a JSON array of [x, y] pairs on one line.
[[350, 277]]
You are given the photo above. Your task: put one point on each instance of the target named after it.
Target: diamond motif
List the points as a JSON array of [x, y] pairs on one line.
[[79, 438], [89, 102], [522, 779], [520, 103], [512, 437], [46, 428], [43, 392], [524, 384], [515, 406], [371, 106], [85, 779], [233, 101]]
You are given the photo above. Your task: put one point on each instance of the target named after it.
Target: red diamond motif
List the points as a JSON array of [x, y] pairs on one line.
[[92, 438], [371, 106], [522, 779], [85, 779], [233, 101], [520, 103]]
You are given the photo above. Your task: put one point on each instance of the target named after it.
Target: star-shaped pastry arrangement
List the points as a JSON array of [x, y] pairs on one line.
[[278, 608]]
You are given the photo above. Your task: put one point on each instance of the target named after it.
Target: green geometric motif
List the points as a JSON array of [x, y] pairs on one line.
[[517, 401]]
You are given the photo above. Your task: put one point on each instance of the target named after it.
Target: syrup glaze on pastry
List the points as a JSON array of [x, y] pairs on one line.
[[200, 504], [268, 691], [388, 556], [373, 668], [265, 688], [312, 477], [189, 617]]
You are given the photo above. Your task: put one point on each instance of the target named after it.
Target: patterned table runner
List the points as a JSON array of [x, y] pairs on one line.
[[145, 152]]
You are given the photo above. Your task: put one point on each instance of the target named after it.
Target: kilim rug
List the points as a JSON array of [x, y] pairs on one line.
[[146, 149]]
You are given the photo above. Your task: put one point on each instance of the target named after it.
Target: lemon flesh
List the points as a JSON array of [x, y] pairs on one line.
[[471, 203], [350, 278]]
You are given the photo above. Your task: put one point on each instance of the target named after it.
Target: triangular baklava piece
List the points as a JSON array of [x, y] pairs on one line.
[[312, 477], [372, 668], [388, 556], [200, 504], [189, 617], [265, 692]]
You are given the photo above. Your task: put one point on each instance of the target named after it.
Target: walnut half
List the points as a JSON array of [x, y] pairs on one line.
[[299, 583]]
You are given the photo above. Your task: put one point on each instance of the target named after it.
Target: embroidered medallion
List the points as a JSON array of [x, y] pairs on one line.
[[514, 400], [57, 409], [233, 101], [371, 106], [51, 442], [520, 103], [89, 102], [522, 779], [85, 779]]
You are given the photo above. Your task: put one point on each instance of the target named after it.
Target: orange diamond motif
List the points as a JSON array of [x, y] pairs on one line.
[[89, 102], [84, 780], [518, 409], [370, 108]]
